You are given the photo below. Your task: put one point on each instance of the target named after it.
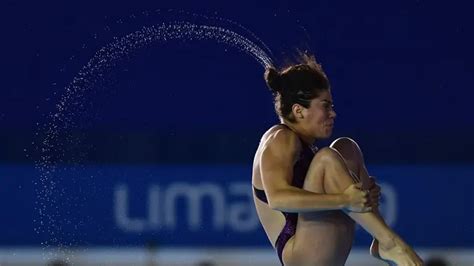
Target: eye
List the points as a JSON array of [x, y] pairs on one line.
[[328, 106]]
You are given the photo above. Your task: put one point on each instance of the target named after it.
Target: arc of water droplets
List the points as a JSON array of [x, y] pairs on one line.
[[93, 73], [95, 70], [225, 20]]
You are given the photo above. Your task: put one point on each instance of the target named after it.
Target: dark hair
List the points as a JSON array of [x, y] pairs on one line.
[[298, 83]]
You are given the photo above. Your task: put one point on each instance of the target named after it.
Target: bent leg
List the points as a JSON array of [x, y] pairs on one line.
[[336, 179], [318, 236], [354, 159], [393, 247]]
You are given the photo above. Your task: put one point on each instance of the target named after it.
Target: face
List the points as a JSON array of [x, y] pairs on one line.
[[318, 119]]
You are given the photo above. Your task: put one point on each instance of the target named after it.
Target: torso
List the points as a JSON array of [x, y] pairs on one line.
[[272, 221]]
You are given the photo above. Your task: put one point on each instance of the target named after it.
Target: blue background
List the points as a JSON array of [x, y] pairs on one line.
[[402, 82], [86, 208]]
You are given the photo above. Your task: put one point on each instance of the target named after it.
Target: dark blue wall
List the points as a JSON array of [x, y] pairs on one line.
[[401, 74]]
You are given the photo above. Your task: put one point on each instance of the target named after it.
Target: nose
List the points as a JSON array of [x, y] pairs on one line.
[[332, 114]]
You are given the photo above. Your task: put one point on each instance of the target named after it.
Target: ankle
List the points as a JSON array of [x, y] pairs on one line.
[[387, 243]]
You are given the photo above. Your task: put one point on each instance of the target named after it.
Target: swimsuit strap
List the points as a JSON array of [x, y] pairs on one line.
[[260, 193]]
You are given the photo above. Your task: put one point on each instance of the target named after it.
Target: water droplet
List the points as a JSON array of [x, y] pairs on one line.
[[56, 142]]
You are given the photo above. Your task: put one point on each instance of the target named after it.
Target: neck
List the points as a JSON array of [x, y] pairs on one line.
[[306, 138]]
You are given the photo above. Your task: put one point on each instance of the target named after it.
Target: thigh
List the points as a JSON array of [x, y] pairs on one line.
[[314, 179], [324, 240], [322, 237]]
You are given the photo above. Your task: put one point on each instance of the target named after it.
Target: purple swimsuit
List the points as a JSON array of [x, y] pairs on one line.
[[299, 173]]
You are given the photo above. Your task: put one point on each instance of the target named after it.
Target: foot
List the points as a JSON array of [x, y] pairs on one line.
[[397, 254], [374, 251]]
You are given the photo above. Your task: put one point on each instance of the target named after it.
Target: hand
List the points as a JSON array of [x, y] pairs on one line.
[[356, 199], [374, 193]]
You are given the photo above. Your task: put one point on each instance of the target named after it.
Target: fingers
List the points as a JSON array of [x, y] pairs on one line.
[[365, 197], [371, 181], [360, 199], [371, 184], [375, 204], [375, 196], [364, 209], [365, 205], [375, 193]]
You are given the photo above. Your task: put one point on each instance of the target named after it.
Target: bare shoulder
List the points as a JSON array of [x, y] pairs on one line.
[[277, 154], [280, 140]]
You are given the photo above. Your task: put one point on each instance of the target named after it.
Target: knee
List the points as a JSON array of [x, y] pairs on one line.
[[336, 175], [325, 159], [345, 143], [347, 147], [327, 155]]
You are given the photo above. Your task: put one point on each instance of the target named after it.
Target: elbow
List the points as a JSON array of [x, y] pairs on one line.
[[276, 202]]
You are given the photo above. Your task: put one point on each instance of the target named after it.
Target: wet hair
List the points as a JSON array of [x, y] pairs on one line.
[[296, 84]]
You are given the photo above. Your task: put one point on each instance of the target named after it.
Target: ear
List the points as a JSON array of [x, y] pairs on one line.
[[297, 111]]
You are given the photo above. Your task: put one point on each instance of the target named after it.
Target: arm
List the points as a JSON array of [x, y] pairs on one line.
[[276, 166]]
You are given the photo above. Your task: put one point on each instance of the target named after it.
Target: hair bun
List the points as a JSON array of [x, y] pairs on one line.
[[273, 80]]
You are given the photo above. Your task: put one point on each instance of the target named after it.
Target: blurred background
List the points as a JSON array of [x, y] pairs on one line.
[[151, 165]]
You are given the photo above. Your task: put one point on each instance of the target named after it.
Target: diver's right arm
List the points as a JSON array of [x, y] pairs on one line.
[[276, 170]]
